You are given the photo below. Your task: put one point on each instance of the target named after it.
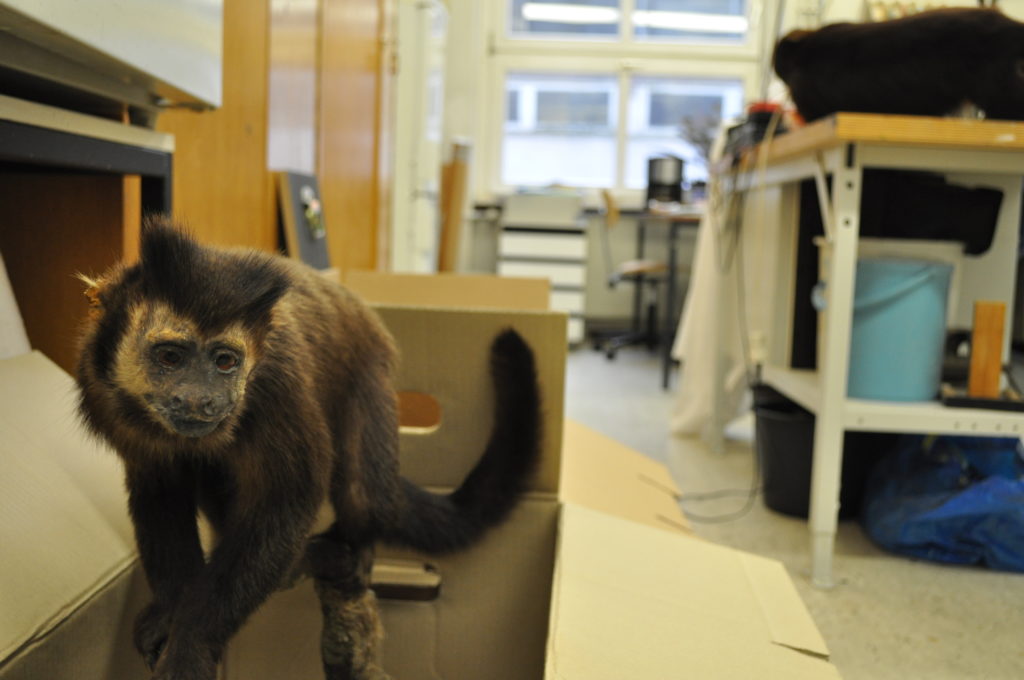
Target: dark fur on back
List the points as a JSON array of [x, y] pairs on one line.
[[929, 63], [292, 405]]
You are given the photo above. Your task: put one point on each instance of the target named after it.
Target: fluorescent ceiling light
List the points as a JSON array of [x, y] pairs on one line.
[[691, 21], [570, 14]]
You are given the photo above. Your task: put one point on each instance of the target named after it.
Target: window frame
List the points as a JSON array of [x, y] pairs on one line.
[[590, 56], [624, 70]]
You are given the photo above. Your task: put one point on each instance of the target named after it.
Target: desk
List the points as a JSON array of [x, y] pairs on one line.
[[73, 190], [673, 221], [984, 153]]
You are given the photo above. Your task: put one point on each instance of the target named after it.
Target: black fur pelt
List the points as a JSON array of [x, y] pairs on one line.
[[927, 64]]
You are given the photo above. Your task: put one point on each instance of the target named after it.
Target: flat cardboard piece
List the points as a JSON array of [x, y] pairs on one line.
[[644, 490], [62, 506], [631, 601], [445, 353], [451, 290]]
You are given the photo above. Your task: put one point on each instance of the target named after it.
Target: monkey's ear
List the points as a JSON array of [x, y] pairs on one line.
[[93, 290]]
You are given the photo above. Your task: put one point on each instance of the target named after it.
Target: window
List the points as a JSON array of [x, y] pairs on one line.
[[563, 130], [676, 116], [647, 20], [575, 18], [690, 20], [590, 89]]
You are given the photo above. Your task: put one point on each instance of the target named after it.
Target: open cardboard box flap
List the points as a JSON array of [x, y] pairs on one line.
[[630, 601], [593, 463], [451, 290]]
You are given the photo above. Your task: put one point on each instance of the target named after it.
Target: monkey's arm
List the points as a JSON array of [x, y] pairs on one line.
[[161, 501], [162, 504], [260, 543]]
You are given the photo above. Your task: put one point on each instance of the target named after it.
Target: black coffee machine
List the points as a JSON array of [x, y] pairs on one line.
[[664, 179]]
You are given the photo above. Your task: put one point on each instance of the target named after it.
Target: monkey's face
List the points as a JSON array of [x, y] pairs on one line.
[[190, 383]]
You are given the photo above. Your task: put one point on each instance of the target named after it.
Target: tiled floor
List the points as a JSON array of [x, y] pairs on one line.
[[889, 617]]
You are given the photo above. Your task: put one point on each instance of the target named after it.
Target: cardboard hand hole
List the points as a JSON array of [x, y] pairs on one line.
[[418, 413]]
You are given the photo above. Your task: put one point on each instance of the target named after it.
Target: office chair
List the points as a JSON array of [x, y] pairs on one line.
[[645, 275]]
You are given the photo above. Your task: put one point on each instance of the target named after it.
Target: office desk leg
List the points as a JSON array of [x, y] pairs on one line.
[[668, 332]]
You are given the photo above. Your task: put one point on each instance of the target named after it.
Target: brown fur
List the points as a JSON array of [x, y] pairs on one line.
[[929, 64], [248, 387]]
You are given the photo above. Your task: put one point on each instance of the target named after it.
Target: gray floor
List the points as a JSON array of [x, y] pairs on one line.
[[889, 617]]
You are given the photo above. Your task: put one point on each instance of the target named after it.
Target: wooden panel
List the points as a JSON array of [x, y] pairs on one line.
[[350, 70], [986, 349], [292, 95], [904, 130], [387, 82], [221, 184], [54, 227]]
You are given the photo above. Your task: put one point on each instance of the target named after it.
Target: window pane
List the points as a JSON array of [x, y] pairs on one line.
[[683, 20], [560, 129], [673, 116], [560, 18]]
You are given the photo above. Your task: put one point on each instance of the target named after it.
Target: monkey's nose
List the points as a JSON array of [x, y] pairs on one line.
[[209, 406]]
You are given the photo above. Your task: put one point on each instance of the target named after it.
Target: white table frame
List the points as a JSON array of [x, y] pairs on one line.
[[997, 161]]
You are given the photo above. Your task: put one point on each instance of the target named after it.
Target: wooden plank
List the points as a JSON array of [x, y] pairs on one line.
[[986, 349], [869, 128], [454, 183], [222, 189], [929, 131], [349, 105]]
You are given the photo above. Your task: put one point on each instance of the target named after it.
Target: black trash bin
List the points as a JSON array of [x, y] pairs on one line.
[[784, 441]]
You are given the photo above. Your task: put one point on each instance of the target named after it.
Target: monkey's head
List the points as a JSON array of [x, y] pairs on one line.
[[174, 340]]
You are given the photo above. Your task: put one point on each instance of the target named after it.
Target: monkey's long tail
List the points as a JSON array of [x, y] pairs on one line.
[[436, 523]]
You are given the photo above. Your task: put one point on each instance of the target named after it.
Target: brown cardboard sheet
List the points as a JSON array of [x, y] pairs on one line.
[[603, 474], [445, 354], [66, 534], [631, 601], [451, 290]]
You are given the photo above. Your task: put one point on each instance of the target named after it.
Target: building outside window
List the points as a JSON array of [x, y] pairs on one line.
[[590, 89]]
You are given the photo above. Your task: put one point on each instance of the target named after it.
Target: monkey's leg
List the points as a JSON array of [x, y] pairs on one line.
[[352, 632]]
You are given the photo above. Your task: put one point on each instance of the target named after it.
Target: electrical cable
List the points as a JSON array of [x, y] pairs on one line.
[[750, 370]]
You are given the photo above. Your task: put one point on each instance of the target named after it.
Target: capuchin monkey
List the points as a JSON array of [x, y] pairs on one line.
[[927, 64], [248, 387]]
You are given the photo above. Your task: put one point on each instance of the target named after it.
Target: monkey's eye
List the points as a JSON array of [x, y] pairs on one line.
[[226, 361], [169, 357]]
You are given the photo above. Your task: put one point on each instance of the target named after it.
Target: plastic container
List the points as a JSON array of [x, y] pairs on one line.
[[899, 326], [784, 441]]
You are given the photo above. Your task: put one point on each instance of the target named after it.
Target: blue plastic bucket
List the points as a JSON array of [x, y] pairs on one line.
[[899, 325]]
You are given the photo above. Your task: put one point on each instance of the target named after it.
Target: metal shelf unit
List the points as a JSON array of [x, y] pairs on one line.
[[989, 153]]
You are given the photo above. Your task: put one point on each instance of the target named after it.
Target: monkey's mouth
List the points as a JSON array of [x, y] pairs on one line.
[[194, 427]]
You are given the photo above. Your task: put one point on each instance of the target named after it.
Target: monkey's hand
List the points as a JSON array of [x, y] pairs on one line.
[[199, 665], [152, 626]]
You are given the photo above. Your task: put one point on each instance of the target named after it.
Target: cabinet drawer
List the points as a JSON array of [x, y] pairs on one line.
[[560, 274], [543, 246]]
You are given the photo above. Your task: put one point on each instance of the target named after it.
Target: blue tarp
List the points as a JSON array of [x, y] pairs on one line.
[[950, 499]]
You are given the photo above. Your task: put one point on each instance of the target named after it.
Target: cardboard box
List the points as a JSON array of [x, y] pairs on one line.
[[594, 576]]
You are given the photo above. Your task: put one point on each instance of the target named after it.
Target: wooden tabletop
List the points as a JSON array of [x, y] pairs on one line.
[[924, 131]]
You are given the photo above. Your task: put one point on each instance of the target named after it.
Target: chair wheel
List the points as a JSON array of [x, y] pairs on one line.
[[610, 353]]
